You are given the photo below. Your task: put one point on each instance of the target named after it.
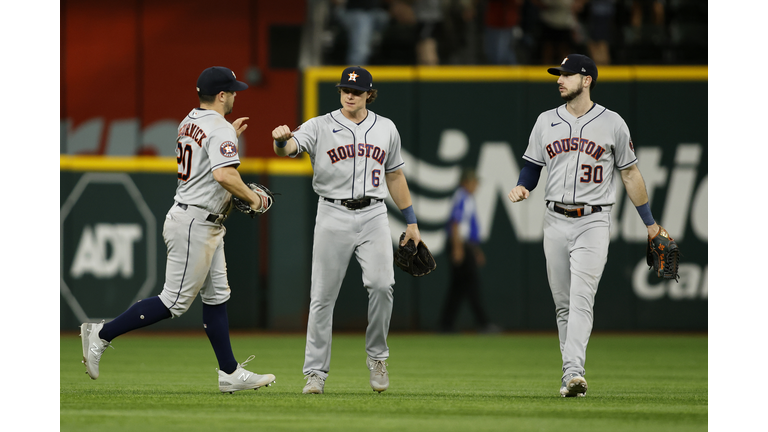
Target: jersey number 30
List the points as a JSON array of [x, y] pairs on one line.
[[184, 159], [591, 174]]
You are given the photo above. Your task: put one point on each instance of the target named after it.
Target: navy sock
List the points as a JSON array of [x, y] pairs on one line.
[[216, 323], [141, 314]]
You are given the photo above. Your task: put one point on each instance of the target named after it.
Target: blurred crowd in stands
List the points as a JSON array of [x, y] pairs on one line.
[[511, 32]]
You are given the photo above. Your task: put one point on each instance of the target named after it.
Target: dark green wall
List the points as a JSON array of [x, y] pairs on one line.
[[269, 258]]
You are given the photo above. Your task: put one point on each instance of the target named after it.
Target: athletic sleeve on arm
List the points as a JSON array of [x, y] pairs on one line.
[[529, 175]]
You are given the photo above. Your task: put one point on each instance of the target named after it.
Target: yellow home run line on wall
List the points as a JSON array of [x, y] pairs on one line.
[[315, 75], [276, 166]]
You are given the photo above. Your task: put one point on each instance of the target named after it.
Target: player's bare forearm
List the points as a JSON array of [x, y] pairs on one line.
[[230, 179], [635, 186], [398, 190], [283, 134], [518, 193]]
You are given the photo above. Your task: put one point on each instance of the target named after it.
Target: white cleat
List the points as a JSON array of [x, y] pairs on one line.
[[573, 385], [93, 347], [379, 374], [242, 379], [315, 384]]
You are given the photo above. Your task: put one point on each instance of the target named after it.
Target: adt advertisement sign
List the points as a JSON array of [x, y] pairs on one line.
[[108, 250]]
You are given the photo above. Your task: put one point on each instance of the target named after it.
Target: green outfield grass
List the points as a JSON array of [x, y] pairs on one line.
[[438, 383]]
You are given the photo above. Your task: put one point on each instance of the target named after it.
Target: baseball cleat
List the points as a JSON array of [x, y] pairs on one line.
[[379, 374], [315, 384], [573, 385], [242, 379], [93, 347]]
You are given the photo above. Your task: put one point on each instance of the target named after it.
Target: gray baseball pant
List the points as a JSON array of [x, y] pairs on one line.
[[339, 233]]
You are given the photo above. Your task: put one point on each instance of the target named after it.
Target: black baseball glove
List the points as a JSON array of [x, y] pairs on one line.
[[414, 260], [266, 195], [663, 255]]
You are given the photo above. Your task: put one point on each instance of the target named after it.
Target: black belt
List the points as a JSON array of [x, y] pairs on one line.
[[577, 212], [355, 204], [212, 217]]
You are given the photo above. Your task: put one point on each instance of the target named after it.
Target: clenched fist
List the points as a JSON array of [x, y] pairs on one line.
[[282, 133], [518, 194]]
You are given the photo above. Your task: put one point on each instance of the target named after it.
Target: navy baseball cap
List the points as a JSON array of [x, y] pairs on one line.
[[218, 79], [577, 64], [356, 78]]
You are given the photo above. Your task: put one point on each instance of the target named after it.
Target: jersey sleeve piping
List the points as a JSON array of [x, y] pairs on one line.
[[625, 166], [225, 164], [530, 159], [395, 168], [299, 147]]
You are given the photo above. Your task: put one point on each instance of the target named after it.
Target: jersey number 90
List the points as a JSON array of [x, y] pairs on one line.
[[184, 160]]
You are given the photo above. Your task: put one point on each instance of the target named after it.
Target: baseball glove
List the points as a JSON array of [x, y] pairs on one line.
[[414, 260], [663, 255], [266, 195]]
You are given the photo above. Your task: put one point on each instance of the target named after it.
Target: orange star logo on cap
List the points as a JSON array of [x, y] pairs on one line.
[[353, 76]]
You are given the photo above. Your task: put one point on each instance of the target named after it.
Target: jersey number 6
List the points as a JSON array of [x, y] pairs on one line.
[[375, 180], [591, 174], [184, 159]]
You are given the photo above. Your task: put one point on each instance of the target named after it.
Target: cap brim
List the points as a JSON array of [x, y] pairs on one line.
[[238, 86], [354, 86], [556, 70]]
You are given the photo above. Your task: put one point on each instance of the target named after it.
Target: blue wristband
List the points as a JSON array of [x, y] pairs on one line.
[[645, 214], [281, 144], [410, 215]]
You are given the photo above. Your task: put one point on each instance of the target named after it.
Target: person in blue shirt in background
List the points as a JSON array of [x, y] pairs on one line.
[[466, 257]]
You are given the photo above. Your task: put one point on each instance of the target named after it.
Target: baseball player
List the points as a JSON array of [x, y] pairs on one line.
[[580, 143], [206, 153], [356, 159]]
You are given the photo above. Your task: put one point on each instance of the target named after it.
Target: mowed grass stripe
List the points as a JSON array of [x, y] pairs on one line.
[[438, 382]]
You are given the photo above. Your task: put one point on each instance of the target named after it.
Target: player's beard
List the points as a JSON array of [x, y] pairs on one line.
[[573, 94], [228, 108]]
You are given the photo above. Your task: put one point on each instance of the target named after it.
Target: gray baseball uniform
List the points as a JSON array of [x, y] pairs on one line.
[[194, 236], [580, 155], [193, 229], [350, 162]]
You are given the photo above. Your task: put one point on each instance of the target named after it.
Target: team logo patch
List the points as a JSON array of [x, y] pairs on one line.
[[297, 128], [228, 149], [353, 76], [631, 146]]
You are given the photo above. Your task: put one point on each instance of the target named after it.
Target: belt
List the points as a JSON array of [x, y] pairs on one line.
[[574, 213], [355, 204], [212, 217]]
